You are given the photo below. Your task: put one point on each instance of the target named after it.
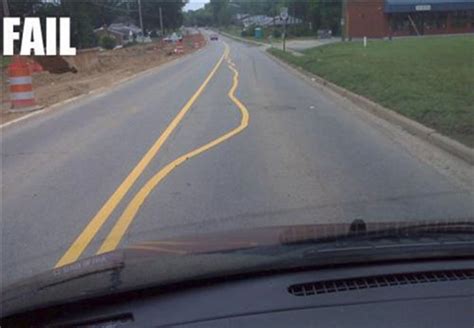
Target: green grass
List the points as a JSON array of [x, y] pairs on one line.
[[5, 60], [427, 79]]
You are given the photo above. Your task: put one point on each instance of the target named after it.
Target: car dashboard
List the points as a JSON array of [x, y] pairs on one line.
[[425, 294]]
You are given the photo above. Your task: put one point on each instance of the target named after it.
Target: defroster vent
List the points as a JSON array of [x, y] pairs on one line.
[[342, 285]]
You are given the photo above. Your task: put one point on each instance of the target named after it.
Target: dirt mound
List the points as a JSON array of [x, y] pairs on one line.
[[55, 64], [105, 69]]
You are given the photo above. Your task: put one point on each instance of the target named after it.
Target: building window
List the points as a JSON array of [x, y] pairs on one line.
[[460, 19], [438, 21], [400, 23]]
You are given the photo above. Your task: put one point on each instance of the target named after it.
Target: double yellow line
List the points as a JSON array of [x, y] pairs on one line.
[[120, 228]]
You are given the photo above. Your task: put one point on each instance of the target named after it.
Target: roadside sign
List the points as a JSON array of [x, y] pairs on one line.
[[284, 13], [423, 7]]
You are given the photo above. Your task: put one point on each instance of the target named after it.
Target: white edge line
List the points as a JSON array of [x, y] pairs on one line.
[[99, 91]]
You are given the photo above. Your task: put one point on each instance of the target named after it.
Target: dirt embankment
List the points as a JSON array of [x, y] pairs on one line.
[[112, 66]]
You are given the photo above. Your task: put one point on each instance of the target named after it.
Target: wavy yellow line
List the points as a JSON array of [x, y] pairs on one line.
[[89, 232], [127, 217]]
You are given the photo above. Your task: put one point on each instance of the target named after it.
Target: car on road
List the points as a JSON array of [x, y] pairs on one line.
[[214, 37]]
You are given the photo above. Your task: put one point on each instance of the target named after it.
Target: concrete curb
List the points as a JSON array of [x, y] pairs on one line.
[[99, 91], [230, 36], [261, 44], [427, 134]]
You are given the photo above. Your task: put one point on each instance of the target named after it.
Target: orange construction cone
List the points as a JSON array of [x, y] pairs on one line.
[[179, 48], [21, 86]]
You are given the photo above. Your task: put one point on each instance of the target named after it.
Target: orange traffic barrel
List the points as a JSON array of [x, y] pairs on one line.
[[179, 48], [21, 85]]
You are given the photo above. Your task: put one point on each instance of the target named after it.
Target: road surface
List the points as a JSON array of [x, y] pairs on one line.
[[95, 174]]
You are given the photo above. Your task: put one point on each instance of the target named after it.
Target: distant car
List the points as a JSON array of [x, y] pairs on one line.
[[214, 37]]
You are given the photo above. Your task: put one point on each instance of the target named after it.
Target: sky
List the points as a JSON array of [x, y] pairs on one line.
[[195, 4]]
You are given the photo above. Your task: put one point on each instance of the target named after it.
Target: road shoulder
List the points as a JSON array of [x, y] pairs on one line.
[[426, 134], [108, 86]]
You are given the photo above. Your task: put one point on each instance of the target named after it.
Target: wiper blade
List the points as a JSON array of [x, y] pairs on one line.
[[359, 231]]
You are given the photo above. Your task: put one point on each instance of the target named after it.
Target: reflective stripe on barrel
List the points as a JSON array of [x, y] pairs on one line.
[[22, 95], [20, 80]]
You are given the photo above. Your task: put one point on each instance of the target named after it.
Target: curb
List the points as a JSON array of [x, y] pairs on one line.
[[242, 39], [256, 43], [99, 91], [25, 110], [427, 134]]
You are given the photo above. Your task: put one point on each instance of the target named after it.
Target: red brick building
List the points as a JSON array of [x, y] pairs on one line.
[[383, 18]]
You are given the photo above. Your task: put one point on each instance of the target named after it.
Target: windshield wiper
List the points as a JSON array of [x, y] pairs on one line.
[[360, 231]]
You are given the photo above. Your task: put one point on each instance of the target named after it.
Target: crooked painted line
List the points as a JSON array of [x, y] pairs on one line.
[[94, 225], [129, 214]]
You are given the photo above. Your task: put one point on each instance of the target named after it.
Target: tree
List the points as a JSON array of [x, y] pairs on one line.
[[171, 10], [107, 42], [23, 8], [320, 13], [218, 6], [200, 17], [84, 16]]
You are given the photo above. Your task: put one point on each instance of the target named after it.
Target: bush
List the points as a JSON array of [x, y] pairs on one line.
[[244, 33], [276, 33], [108, 42], [299, 30], [250, 31]]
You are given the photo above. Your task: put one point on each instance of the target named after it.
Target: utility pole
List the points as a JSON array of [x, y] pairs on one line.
[[140, 16], [161, 24], [344, 20], [284, 18], [6, 10]]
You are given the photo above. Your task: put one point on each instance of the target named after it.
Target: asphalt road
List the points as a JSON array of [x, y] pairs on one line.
[[72, 175]]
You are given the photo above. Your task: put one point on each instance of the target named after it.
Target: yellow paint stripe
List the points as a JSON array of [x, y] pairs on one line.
[[121, 227], [86, 236]]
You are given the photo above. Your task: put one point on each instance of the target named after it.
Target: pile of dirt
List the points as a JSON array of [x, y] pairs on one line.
[[55, 64], [113, 65]]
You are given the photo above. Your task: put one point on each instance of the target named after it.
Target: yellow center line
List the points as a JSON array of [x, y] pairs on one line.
[[121, 227], [86, 236]]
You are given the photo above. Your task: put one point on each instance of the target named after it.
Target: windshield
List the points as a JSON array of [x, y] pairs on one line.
[[184, 128]]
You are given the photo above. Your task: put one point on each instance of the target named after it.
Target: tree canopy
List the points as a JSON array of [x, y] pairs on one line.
[[320, 13], [86, 15]]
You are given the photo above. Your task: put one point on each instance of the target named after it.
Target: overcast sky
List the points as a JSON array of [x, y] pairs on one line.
[[195, 4]]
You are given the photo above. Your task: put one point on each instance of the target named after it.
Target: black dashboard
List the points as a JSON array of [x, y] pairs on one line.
[[426, 294]]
